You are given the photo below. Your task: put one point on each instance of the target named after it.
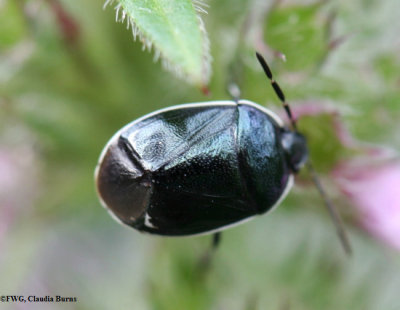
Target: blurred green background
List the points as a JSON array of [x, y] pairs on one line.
[[65, 91]]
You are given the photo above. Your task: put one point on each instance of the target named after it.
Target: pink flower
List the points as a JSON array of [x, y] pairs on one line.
[[370, 181], [375, 191]]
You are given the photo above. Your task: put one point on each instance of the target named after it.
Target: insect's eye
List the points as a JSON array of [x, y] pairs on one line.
[[295, 147]]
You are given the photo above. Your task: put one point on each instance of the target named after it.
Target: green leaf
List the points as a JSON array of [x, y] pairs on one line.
[[324, 144], [176, 32]]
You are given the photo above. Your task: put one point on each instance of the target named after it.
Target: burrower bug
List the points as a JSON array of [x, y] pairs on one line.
[[202, 167]]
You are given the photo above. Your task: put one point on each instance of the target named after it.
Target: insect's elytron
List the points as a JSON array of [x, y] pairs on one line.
[[201, 167]]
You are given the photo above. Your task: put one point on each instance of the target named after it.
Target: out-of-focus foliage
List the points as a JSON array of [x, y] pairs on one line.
[[70, 77]]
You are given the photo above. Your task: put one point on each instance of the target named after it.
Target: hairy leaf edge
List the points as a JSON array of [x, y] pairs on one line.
[[175, 69]]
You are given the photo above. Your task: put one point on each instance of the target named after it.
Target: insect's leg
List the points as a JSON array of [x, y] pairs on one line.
[[234, 92], [234, 79], [216, 240], [206, 259]]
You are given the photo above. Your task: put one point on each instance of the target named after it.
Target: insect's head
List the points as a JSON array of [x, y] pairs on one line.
[[295, 146]]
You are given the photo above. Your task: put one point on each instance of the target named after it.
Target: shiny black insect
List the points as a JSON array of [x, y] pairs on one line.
[[201, 167]]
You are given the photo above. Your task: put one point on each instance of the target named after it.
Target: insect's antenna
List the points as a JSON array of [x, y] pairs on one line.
[[337, 221], [277, 90]]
